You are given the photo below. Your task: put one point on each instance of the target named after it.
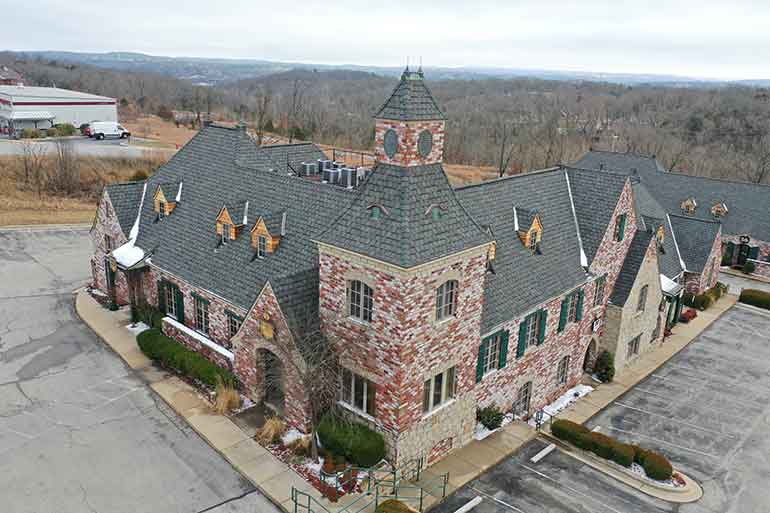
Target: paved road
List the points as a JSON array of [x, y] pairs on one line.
[[707, 409], [738, 283], [86, 147], [79, 431]]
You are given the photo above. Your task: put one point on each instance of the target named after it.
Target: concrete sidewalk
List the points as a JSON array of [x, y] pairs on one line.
[[271, 476], [467, 463]]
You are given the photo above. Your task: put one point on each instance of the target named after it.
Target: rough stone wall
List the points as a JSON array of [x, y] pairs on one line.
[[624, 322], [249, 359], [403, 345], [106, 223], [408, 135]]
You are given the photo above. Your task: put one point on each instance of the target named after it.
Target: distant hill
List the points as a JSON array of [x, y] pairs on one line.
[[206, 71]]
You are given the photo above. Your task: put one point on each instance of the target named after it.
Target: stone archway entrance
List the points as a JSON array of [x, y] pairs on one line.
[[590, 358], [274, 379]]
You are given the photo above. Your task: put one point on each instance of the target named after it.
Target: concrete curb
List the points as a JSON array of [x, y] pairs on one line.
[[692, 490], [88, 320], [740, 274], [43, 227], [753, 308]]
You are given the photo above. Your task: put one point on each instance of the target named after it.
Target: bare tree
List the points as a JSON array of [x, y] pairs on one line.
[[31, 159], [264, 98], [296, 104], [66, 173]]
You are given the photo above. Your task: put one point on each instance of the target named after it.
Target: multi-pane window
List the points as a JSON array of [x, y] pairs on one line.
[[521, 405], [599, 291], [642, 299], [573, 308], [492, 353], [261, 246], [532, 336], [172, 309], [202, 315], [562, 371], [532, 239], [360, 300], [225, 233], [161, 208], [633, 347], [358, 392], [233, 324], [446, 300], [438, 390]]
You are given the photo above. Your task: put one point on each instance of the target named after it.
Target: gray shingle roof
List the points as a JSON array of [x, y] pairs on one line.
[[212, 168], [411, 100], [631, 266], [748, 204], [125, 200], [289, 157], [695, 238], [652, 216], [406, 234], [595, 195], [521, 278]]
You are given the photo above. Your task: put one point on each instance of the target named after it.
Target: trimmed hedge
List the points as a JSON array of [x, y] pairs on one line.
[[754, 297], [490, 417], [749, 267], [655, 465], [171, 354], [355, 442]]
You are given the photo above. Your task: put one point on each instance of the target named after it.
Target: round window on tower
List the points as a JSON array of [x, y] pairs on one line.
[[390, 143], [425, 143]]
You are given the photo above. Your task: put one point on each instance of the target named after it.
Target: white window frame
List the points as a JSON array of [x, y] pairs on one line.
[[360, 299], [532, 336], [532, 239], [520, 395], [225, 233], [368, 403], [161, 209], [562, 372], [171, 306], [446, 300], [233, 321], [202, 316], [261, 246], [492, 353], [447, 380]]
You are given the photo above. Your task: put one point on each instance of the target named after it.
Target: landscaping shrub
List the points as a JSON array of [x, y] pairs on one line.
[[170, 353], [271, 431], [65, 129], [568, 430], [228, 398], [605, 366], [622, 454], [393, 506], [656, 466], [749, 267], [351, 440], [754, 297], [490, 417], [52, 132], [31, 133], [602, 445]]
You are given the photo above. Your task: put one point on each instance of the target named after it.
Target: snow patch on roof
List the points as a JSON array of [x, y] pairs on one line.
[[676, 245], [246, 214], [128, 254], [179, 193], [668, 285], [515, 219], [583, 256], [134, 233]]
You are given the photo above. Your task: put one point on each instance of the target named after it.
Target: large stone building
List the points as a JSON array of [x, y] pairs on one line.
[[436, 300]]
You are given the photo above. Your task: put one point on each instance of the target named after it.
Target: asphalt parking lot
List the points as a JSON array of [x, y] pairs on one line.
[[79, 431], [86, 147], [707, 409]]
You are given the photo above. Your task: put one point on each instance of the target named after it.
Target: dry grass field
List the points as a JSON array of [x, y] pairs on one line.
[[156, 129]]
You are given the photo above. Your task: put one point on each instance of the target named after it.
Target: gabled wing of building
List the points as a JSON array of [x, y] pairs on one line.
[[631, 266], [125, 199], [695, 238]]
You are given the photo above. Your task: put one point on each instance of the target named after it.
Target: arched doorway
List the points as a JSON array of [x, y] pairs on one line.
[[590, 357], [273, 379]]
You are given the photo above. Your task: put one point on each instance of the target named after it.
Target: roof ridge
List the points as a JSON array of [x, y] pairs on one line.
[[611, 172], [509, 177], [643, 155], [713, 179], [710, 221], [130, 182]]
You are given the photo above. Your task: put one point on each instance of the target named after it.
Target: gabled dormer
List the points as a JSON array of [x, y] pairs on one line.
[[231, 221], [689, 205], [529, 227], [267, 232], [166, 198], [719, 210]]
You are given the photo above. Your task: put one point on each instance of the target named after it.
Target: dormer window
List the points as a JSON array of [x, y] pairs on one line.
[[261, 246], [529, 227], [267, 233], [719, 210], [226, 228], [689, 205], [161, 209], [167, 195], [532, 242]]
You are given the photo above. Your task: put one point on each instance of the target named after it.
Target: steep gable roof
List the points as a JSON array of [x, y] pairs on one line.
[[695, 238], [125, 200], [411, 100], [523, 279], [631, 266], [407, 234]]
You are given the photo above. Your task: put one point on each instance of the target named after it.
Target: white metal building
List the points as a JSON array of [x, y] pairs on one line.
[[42, 107]]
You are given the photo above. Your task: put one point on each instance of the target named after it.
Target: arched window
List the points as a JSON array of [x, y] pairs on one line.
[[360, 300], [446, 300]]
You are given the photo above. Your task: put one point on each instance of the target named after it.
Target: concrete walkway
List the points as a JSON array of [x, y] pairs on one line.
[[270, 475], [467, 463]]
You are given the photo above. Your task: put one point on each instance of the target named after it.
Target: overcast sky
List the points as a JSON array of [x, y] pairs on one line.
[[725, 39]]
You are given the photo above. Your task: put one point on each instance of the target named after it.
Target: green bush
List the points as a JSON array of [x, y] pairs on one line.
[[602, 445], [356, 442], [31, 133], [171, 354], [605, 366], [754, 297], [568, 430], [622, 454], [656, 466], [749, 267], [65, 129], [490, 417], [700, 301], [52, 132]]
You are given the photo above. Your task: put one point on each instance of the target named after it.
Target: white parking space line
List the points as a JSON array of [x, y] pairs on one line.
[[542, 454], [601, 502], [671, 419], [710, 382], [712, 392], [495, 499], [657, 439]]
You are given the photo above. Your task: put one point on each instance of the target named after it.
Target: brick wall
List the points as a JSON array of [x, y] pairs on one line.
[[106, 224], [698, 283], [408, 136], [762, 261]]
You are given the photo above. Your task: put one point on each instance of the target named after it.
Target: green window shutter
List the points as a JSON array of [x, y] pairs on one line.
[[503, 350], [729, 250], [579, 312], [161, 296], [622, 229], [542, 319], [564, 312], [522, 338], [754, 252], [179, 304], [480, 363]]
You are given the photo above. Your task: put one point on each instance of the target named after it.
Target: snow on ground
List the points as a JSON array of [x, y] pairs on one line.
[[97, 292], [292, 435], [481, 432], [566, 399], [137, 328]]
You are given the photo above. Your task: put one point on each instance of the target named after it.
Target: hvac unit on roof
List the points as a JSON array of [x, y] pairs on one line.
[[337, 165], [309, 168], [324, 164], [361, 173], [348, 177], [331, 175]]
